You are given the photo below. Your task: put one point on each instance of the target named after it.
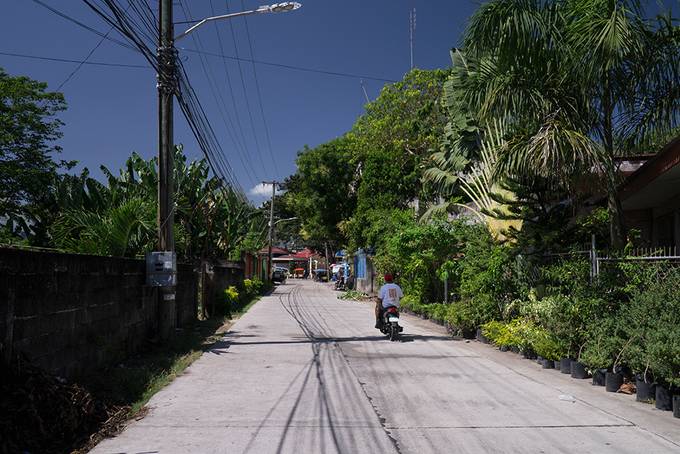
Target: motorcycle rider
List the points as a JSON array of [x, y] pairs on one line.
[[389, 295]]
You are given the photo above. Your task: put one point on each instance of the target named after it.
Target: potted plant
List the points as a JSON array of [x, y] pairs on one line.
[[664, 357], [599, 351]]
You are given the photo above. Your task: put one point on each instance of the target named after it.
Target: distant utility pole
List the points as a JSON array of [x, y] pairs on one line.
[[271, 226], [166, 87], [412, 31]]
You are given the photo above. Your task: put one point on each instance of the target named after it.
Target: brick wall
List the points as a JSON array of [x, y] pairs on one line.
[[71, 313]]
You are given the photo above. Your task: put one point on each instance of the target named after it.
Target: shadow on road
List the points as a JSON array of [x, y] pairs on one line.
[[405, 338]]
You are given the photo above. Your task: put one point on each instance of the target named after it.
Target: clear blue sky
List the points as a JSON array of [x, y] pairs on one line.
[[112, 111]]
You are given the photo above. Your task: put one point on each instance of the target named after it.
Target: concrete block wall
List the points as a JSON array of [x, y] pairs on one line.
[[71, 313], [219, 277]]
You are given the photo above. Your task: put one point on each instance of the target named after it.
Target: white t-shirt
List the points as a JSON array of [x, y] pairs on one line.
[[390, 294]]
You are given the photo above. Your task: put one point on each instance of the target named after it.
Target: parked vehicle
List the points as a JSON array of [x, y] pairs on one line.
[[390, 323], [279, 275]]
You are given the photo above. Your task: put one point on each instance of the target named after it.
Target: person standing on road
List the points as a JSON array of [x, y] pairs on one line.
[[389, 295]]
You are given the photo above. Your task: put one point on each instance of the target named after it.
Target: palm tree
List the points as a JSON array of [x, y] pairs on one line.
[[578, 82]]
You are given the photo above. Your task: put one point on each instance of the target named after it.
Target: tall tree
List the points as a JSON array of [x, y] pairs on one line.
[[28, 129], [579, 81], [321, 192]]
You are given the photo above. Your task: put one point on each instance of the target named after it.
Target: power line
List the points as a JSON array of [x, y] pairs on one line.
[[217, 94], [67, 60], [245, 91], [228, 79], [292, 67], [87, 57], [259, 94], [194, 113], [86, 27]]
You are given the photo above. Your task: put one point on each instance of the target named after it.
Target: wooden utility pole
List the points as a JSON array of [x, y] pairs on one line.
[[166, 88], [271, 227]]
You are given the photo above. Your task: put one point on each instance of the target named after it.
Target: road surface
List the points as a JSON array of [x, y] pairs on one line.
[[305, 372]]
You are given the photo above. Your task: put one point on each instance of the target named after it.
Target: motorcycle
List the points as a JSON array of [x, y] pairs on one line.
[[340, 283], [390, 323]]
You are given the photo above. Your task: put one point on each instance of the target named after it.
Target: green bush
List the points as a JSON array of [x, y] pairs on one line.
[[252, 287], [422, 255], [231, 297], [525, 335], [651, 322], [603, 345]]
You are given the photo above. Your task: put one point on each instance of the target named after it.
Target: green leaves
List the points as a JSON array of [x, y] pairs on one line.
[[28, 128], [127, 229]]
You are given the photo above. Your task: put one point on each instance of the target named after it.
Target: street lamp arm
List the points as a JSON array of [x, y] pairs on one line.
[[214, 18], [275, 8], [284, 220]]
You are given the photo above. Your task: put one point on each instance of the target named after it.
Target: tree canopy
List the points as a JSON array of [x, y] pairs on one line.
[[29, 128]]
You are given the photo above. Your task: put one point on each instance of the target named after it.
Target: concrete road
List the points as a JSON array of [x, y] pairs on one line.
[[304, 372]]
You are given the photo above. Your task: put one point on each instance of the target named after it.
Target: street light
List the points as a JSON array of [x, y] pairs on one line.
[[167, 87], [284, 220], [275, 8]]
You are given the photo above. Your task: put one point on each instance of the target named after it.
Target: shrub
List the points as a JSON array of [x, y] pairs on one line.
[[663, 353], [231, 297], [603, 345], [252, 287], [651, 322], [545, 344]]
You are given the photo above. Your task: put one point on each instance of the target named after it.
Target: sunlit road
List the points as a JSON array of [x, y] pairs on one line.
[[304, 372]]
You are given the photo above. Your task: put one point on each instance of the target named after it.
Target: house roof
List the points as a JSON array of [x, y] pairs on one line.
[[654, 182], [306, 253], [275, 251]]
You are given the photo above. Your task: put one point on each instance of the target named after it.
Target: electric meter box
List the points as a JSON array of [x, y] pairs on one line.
[[161, 269]]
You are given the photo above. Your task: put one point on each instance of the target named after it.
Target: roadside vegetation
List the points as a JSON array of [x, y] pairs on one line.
[[44, 204], [481, 186]]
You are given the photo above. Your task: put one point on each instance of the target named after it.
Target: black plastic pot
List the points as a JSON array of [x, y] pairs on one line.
[[503, 348], [557, 364], [599, 377], [676, 406], [645, 392], [663, 398], [528, 354], [578, 370], [565, 365], [547, 364], [539, 359], [612, 381], [514, 349]]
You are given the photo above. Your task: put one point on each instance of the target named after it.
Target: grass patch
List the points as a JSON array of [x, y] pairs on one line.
[[353, 295]]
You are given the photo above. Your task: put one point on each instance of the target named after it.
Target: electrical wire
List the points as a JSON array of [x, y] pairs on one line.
[[245, 91], [129, 27], [82, 25], [259, 94], [80, 65], [67, 60], [228, 79], [226, 118], [291, 67]]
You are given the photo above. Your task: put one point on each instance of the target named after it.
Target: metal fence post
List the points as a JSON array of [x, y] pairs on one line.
[[594, 269]]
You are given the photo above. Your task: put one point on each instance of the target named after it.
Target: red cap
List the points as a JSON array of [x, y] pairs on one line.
[[388, 277]]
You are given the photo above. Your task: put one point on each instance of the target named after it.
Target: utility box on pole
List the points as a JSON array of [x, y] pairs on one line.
[[161, 269]]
